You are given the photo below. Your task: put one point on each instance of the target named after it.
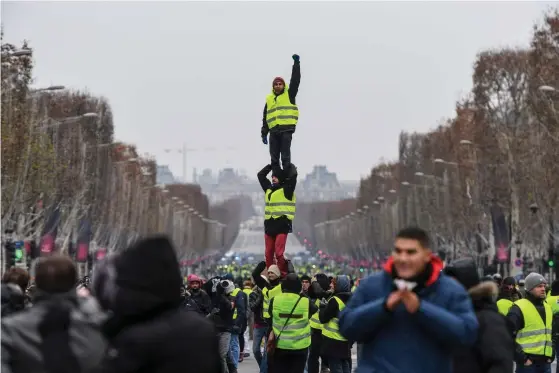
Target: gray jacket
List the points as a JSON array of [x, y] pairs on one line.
[[21, 341]]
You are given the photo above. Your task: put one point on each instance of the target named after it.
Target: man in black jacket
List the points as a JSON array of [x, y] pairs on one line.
[[280, 117], [148, 330], [535, 294], [280, 212]]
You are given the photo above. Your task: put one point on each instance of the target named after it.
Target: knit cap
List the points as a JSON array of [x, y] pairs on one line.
[[275, 270], [278, 79], [533, 280]]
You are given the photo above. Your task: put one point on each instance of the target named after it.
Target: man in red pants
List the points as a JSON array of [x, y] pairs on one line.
[[279, 212]]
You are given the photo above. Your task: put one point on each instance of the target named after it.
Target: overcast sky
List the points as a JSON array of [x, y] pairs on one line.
[[199, 73]]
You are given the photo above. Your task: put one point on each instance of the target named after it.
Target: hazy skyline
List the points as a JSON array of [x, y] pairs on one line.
[[198, 72]]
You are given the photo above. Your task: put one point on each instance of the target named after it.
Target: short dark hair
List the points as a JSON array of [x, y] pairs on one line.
[[17, 276], [415, 233], [56, 274]]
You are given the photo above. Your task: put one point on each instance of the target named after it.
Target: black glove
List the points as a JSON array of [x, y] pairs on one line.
[[265, 139], [261, 266], [296, 58]]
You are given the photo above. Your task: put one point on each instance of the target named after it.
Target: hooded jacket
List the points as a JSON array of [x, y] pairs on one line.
[[27, 344], [331, 347], [149, 332], [397, 341], [493, 351], [292, 92]]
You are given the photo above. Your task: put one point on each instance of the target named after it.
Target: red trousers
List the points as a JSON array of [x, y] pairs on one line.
[[275, 247]]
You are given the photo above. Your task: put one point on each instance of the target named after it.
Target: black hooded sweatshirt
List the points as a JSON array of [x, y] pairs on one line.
[[493, 351], [281, 225], [149, 332]]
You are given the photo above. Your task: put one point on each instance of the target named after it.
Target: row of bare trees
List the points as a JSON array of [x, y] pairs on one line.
[[486, 183], [59, 160]]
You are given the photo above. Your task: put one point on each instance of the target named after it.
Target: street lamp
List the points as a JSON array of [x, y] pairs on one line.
[[466, 142], [419, 173], [90, 115], [547, 88], [405, 183], [19, 53], [392, 191], [439, 160]]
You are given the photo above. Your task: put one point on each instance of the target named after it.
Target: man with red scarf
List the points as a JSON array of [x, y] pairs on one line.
[[410, 316]]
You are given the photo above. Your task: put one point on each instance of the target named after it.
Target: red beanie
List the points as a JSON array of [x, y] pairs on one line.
[[278, 79]]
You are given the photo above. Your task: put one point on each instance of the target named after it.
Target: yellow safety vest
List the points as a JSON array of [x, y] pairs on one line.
[[535, 337], [247, 291], [504, 306], [296, 335], [280, 111], [553, 301], [234, 294], [268, 295], [315, 321], [353, 288], [331, 329], [277, 205]]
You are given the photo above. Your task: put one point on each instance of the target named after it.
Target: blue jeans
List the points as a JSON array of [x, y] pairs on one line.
[[534, 368], [234, 350], [339, 365], [259, 334], [264, 365]]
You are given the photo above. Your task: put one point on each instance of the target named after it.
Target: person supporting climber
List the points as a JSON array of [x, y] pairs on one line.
[[280, 117], [279, 212]]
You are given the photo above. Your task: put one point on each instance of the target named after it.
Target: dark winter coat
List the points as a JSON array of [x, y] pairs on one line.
[[493, 351], [331, 347], [198, 301], [149, 332], [494, 348], [256, 302]]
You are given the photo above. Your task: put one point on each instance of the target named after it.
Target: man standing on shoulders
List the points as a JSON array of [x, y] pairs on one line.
[[280, 117], [531, 322], [410, 306], [279, 213]]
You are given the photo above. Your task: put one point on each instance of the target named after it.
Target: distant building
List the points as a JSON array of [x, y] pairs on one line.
[[318, 185], [165, 176]]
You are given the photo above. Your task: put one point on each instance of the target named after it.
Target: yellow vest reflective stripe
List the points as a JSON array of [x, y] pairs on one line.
[[247, 291], [268, 295], [296, 334], [553, 301], [331, 329], [353, 288], [277, 205], [535, 337], [280, 111], [315, 321], [504, 306], [234, 294]]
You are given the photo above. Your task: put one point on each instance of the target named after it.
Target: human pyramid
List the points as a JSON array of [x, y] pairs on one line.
[[279, 121]]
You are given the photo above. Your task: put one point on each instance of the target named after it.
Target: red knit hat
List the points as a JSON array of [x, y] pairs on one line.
[[278, 79]]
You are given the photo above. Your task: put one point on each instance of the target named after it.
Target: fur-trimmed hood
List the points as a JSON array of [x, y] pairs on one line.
[[484, 294]]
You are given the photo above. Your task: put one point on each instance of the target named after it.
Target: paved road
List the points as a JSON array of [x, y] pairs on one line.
[[249, 365]]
